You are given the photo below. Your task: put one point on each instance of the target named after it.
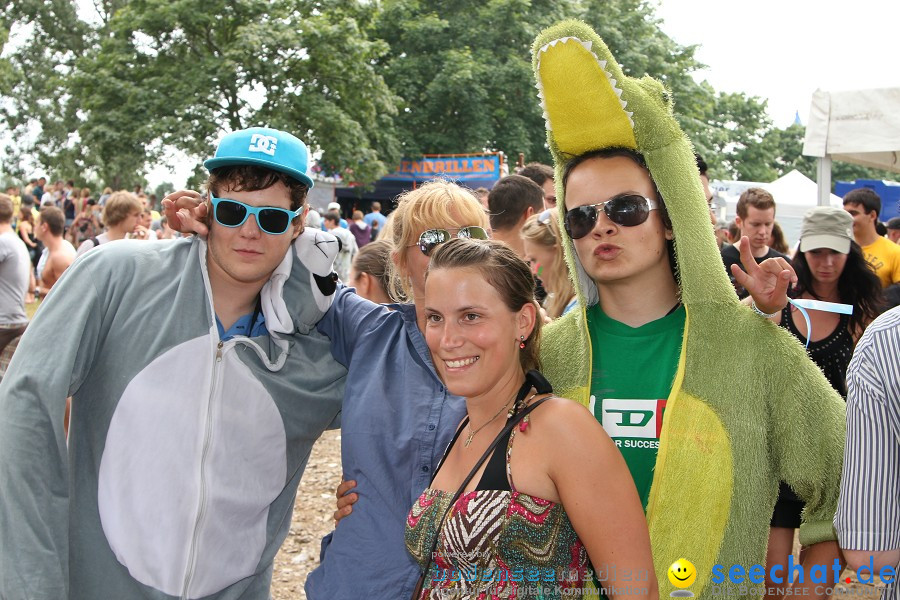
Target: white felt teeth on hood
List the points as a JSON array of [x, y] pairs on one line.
[[587, 46]]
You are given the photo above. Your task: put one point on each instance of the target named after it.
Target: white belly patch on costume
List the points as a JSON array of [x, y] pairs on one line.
[[187, 474]]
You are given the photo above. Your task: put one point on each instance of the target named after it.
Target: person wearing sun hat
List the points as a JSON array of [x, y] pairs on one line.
[[826, 227], [185, 447], [830, 266]]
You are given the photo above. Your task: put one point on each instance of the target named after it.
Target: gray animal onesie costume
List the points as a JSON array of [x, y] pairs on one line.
[[184, 451]]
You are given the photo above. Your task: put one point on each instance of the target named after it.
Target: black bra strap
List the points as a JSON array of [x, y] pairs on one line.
[[535, 379]]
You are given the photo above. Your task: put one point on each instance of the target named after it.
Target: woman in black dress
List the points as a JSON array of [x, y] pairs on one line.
[[830, 266]]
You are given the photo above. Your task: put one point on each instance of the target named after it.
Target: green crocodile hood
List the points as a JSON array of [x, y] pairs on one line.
[[590, 104]]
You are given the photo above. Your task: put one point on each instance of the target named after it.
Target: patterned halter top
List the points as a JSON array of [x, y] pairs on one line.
[[496, 543]]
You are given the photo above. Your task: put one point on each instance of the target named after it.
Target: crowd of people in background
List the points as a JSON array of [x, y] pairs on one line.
[[58, 221], [840, 258]]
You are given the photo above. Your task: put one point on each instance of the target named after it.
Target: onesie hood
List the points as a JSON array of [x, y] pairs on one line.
[[590, 104]]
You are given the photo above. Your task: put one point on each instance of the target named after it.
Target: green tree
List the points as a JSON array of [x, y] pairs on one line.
[[634, 34], [844, 171], [735, 133], [37, 105], [114, 96], [785, 146], [785, 149], [463, 71], [163, 188]]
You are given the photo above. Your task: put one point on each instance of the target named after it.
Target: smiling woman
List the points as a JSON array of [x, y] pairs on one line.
[[525, 493]]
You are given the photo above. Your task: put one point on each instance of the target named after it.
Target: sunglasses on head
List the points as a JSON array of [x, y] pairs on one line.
[[270, 219], [627, 210], [435, 237], [544, 217]]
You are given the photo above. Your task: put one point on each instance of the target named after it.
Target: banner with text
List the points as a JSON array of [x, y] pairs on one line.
[[457, 168]]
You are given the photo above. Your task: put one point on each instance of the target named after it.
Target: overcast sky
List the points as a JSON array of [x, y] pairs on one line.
[[784, 50]]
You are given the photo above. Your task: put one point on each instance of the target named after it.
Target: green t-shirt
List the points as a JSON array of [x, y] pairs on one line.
[[633, 372]]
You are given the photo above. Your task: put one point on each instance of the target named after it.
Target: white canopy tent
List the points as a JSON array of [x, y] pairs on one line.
[[859, 126]]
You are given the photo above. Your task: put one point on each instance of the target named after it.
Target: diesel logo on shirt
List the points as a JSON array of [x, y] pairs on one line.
[[632, 418]]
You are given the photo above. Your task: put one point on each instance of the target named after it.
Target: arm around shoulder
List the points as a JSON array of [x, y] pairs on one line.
[[349, 317]]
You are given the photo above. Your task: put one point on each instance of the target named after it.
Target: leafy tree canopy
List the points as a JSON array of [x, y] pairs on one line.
[[114, 96], [105, 96]]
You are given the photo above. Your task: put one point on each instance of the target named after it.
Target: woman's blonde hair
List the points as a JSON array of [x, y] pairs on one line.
[[559, 286], [434, 205]]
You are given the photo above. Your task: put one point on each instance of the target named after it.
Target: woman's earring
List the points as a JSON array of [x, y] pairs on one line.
[[521, 342]]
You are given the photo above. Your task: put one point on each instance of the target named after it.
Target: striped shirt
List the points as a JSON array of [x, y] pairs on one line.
[[868, 514]]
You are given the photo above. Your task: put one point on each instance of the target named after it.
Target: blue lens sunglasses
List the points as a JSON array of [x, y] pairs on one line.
[[270, 219]]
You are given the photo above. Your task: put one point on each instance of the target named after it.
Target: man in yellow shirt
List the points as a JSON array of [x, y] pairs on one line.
[[883, 256]]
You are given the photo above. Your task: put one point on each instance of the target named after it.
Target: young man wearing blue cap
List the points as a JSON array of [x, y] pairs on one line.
[[185, 447]]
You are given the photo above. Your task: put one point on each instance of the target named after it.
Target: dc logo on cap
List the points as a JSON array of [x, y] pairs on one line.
[[263, 143]]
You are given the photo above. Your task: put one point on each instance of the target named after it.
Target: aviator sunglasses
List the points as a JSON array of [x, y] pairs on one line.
[[434, 237], [270, 219], [627, 210]]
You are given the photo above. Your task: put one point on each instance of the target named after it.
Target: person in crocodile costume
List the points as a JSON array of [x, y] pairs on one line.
[[193, 415], [739, 417]]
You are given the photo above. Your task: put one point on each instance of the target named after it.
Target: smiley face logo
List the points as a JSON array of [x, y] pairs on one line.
[[682, 573]]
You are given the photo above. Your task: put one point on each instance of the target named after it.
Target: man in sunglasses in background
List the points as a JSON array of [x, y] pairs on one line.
[[180, 485]]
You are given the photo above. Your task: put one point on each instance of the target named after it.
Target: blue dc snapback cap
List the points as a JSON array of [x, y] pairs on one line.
[[264, 147]]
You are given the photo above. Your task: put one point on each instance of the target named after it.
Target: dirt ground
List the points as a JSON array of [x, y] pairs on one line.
[[312, 519]]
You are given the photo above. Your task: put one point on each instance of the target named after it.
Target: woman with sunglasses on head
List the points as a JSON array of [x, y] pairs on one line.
[[397, 415], [544, 253], [534, 460], [656, 326], [830, 267]]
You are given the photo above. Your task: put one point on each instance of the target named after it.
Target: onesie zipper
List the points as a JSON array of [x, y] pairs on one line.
[[207, 438]]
